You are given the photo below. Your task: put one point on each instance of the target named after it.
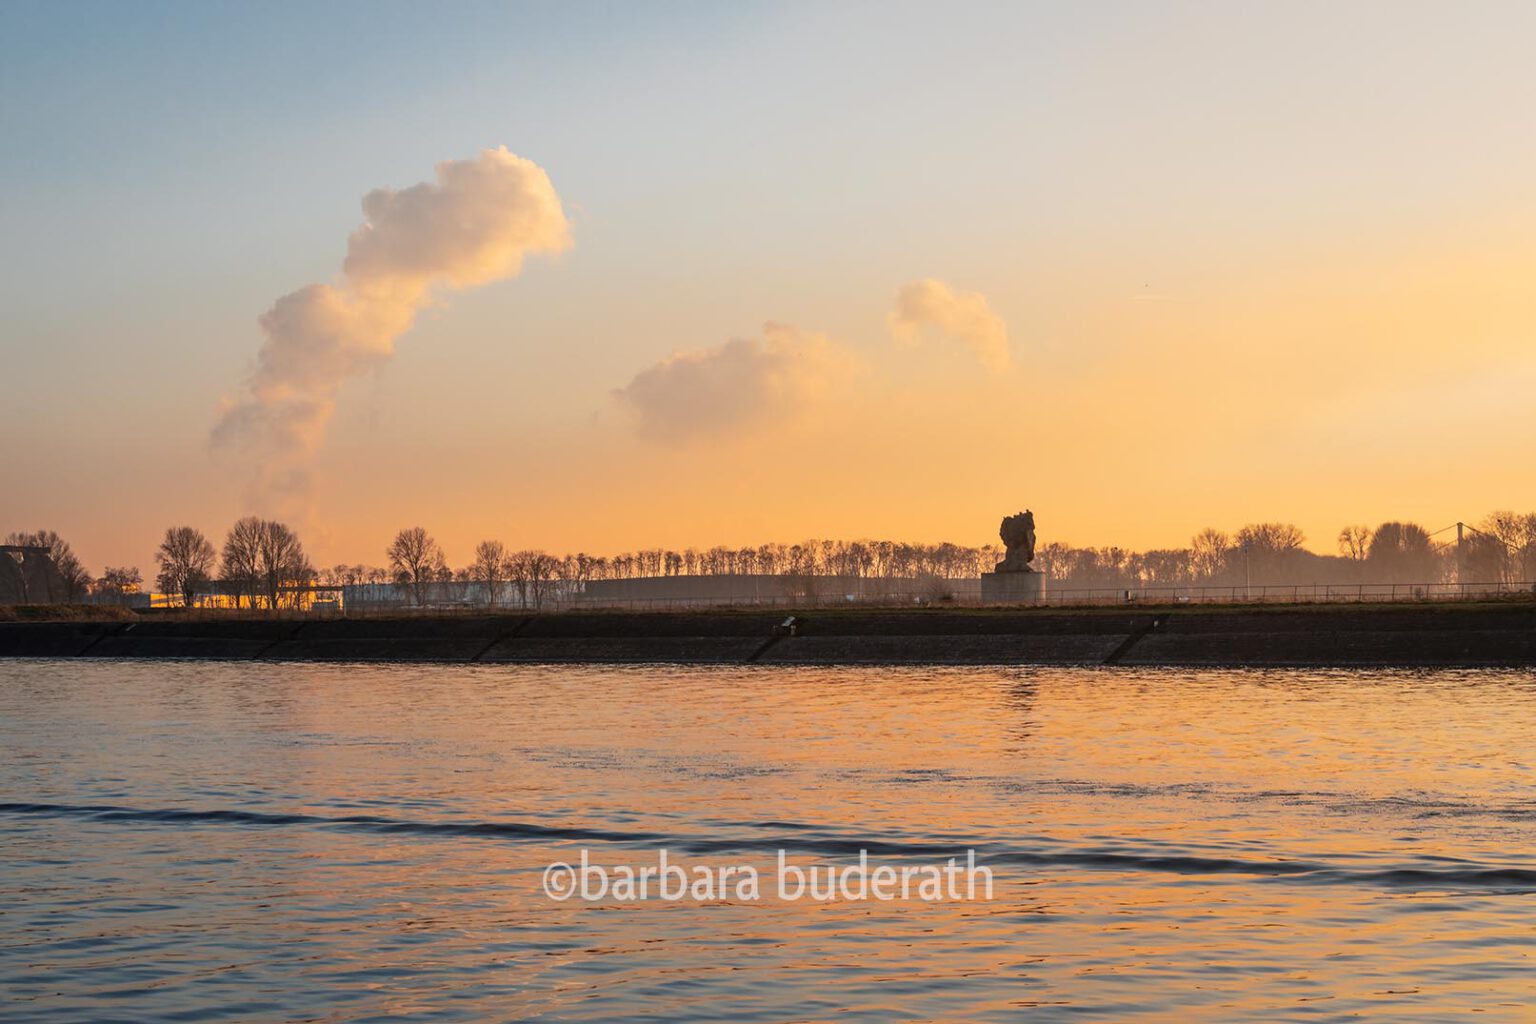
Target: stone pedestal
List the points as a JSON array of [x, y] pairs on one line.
[[1012, 587]]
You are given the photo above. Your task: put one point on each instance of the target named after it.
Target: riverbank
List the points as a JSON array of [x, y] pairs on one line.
[[1453, 634]]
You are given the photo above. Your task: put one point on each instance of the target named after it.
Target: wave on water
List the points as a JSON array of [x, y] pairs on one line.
[[805, 839]]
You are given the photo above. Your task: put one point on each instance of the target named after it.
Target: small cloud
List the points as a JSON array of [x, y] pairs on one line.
[[473, 225], [963, 316], [737, 387]]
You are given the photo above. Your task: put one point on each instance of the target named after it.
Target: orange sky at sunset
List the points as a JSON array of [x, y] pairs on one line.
[[1173, 288]]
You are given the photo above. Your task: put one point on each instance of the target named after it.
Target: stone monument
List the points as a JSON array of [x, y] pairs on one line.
[[1013, 581]]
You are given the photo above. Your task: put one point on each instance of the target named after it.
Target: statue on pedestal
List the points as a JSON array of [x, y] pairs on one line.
[[1018, 536], [1014, 582]]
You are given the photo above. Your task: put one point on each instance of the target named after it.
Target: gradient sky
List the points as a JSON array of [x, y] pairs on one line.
[[1255, 262]]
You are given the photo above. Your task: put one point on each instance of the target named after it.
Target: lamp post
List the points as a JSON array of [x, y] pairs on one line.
[[1247, 571]]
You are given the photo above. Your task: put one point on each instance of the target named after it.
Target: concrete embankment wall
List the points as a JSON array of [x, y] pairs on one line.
[[1495, 634]]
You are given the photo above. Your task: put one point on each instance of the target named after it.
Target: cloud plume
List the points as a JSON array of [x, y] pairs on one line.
[[737, 387], [471, 226], [963, 316]]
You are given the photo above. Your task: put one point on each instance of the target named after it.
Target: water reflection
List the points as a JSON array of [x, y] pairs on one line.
[[346, 842]]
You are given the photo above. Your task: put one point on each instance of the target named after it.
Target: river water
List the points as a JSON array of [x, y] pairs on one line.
[[186, 841]]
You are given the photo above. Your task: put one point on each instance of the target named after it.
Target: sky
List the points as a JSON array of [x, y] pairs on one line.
[[757, 272]]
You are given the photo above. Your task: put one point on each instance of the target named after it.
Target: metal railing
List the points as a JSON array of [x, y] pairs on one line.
[[1287, 593], [960, 593], [968, 596]]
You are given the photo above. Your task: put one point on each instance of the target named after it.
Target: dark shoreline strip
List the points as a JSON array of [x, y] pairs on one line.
[[1411, 635]]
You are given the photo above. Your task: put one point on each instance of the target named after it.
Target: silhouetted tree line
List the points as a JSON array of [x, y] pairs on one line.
[[262, 563], [1502, 549], [415, 561]]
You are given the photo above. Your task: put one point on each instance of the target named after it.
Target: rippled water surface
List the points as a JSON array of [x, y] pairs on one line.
[[184, 841]]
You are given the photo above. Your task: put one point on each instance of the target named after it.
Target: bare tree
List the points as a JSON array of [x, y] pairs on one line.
[[238, 560], [343, 574], [1165, 567], [532, 572], [1208, 554], [416, 561], [1270, 551], [1277, 537], [576, 569], [489, 568], [542, 574], [280, 561], [186, 558], [120, 580], [1516, 532], [1354, 541], [518, 570]]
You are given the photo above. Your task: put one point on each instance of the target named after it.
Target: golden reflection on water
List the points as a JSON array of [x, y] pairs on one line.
[[1139, 825]]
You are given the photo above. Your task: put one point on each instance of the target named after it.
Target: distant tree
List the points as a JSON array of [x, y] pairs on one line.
[[518, 569], [531, 573], [802, 559], [1484, 559], [578, 568], [1354, 542], [1275, 537], [185, 558], [1054, 559], [1402, 553], [1269, 550], [239, 557], [343, 574], [1517, 533], [415, 560], [574, 570], [1165, 568], [71, 581], [1208, 554], [988, 555], [490, 568], [545, 571], [280, 561], [772, 559], [120, 580]]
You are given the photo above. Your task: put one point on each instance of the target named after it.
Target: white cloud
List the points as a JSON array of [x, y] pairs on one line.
[[742, 385], [963, 316], [473, 225]]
